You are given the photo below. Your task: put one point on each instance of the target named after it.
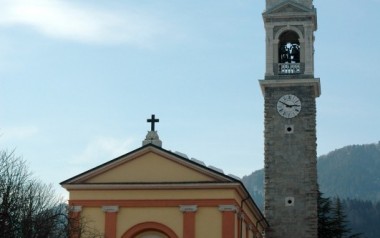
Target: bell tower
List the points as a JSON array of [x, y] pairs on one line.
[[290, 91]]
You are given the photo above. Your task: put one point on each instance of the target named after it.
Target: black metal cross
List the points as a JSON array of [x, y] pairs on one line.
[[152, 121]]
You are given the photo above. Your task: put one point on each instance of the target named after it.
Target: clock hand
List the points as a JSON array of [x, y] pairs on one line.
[[287, 105]]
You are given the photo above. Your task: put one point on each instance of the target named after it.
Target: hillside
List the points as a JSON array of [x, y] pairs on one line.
[[255, 186], [351, 172]]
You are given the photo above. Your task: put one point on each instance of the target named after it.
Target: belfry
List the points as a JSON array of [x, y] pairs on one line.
[[290, 91]]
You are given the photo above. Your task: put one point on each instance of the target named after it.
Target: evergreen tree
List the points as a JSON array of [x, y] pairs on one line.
[[324, 217], [339, 220], [332, 219]]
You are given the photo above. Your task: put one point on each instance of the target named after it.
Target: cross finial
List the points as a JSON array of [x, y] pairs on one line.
[[152, 121]]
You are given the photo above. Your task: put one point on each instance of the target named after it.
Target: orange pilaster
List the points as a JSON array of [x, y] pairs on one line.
[[74, 221], [110, 221], [228, 220], [228, 225], [188, 220], [189, 225]]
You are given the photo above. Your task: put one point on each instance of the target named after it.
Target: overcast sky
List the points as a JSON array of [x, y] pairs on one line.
[[78, 79]]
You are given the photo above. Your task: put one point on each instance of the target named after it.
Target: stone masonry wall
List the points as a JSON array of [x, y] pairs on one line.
[[290, 166]]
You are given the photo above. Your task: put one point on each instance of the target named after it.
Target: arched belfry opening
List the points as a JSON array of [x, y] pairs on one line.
[[289, 47], [289, 53]]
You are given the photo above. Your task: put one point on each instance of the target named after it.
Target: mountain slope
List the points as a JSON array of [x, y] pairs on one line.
[[350, 172], [353, 174]]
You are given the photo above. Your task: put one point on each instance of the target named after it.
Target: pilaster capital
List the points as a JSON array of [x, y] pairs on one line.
[[110, 208], [75, 208], [228, 208], [188, 208]]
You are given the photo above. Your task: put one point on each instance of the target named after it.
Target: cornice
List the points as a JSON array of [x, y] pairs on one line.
[[315, 83], [150, 186]]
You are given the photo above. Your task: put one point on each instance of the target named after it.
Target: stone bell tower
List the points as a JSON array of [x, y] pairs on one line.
[[290, 90]]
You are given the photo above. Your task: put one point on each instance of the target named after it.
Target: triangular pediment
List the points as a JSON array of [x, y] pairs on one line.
[[288, 7], [149, 164]]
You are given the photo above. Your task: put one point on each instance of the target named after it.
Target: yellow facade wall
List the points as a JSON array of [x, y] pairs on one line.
[[149, 168], [93, 221], [208, 219], [169, 216], [208, 222]]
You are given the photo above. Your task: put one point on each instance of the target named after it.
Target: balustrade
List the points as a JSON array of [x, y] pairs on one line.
[[289, 68]]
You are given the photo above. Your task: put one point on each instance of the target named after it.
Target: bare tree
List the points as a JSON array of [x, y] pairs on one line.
[[31, 209], [13, 177]]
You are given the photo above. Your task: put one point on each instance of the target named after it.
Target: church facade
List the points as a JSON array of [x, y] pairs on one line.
[[154, 193]]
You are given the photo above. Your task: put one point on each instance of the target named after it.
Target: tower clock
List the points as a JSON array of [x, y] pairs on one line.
[[290, 91]]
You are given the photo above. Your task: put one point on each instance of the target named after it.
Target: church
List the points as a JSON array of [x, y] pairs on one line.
[[152, 192]]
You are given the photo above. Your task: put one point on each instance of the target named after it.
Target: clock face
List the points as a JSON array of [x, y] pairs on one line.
[[289, 106]]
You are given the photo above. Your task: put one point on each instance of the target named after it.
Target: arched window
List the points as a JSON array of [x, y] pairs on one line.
[[289, 47]]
